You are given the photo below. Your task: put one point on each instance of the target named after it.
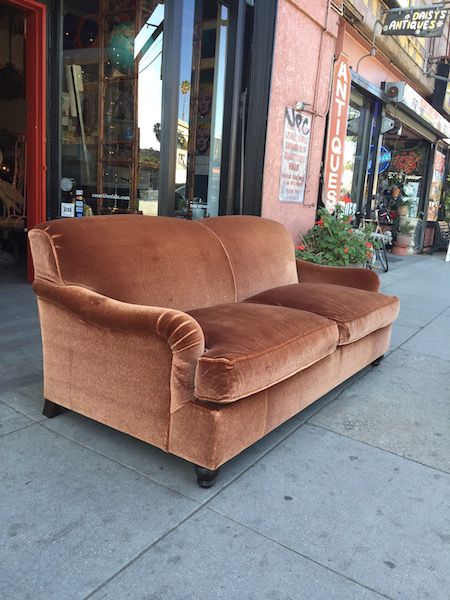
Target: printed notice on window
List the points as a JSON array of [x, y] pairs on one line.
[[294, 161]]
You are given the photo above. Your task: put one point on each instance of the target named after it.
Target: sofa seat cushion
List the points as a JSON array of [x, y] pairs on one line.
[[250, 347], [356, 312]]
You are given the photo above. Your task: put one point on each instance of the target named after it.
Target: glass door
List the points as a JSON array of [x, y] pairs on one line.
[[356, 150], [201, 85]]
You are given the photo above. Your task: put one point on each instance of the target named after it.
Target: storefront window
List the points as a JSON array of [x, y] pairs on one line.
[[403, 181], [111, 104], [437, 184], [112, 96]]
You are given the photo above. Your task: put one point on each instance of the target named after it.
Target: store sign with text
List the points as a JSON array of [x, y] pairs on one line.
[[294, 161], [417, 22], [337, 129]]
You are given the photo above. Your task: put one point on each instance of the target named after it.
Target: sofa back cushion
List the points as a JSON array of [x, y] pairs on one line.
[[163, 261], [153, 261], [260, 251]]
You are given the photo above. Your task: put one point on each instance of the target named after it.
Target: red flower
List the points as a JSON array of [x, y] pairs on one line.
[[300, 247], [346, 250], [368, 245], [350, 219], [319, 222], [347, 199]]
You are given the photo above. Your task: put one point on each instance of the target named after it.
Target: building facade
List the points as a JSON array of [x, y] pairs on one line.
[[197, 108], [397, 130]]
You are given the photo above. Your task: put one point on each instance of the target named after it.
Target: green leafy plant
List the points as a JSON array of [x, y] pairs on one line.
[[396, 179], [333, 241], [405, 228]]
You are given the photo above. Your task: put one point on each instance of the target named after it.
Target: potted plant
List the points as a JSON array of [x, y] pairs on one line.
[[403, 238], [333, 241], [403, 207], [396, 182]]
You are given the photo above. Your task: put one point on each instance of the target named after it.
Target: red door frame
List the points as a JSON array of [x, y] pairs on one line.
[[36, 98]]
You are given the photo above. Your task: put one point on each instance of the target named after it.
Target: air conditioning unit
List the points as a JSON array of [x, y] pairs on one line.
[[351, 13], [338, 6], [395, 91]]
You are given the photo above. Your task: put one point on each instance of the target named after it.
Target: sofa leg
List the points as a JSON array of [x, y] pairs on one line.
[[51, 409], [378, 360], [205, 477]]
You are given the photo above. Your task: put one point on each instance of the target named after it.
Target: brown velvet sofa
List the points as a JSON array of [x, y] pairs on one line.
[[197, 337]]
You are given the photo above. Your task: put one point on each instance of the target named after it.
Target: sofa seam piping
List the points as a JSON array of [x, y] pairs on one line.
[[213, 233], [268, 386], [55, 256], [264, 352]]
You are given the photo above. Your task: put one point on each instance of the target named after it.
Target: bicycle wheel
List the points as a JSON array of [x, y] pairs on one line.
[[382, 255]]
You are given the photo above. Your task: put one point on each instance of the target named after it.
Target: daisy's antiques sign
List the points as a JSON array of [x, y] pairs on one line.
[[423, 21], [294, 160]]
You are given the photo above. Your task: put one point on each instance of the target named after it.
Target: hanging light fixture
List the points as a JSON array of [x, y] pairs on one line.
[[11, 81]]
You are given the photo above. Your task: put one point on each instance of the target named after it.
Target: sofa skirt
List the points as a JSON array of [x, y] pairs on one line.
[[210, 434]]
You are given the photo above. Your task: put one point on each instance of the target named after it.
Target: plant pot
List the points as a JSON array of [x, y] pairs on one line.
[[401, 245], [399, 250], [403, 211], [395, 191], [402, 240]]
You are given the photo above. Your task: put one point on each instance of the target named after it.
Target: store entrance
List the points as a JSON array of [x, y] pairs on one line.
[[13, 125], [401, 186], [22, 131]]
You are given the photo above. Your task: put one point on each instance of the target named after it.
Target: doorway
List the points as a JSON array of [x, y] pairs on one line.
[[22, 130]]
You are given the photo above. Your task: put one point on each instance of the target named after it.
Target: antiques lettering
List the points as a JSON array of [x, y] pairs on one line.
[[416, 22], [334, 157]]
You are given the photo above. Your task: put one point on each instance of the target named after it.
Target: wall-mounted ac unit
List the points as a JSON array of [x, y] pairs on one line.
[[351, 13], [395, 91], [338, 6]]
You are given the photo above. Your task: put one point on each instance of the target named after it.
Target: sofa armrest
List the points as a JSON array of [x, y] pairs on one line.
[[180, 331], [363, 279]]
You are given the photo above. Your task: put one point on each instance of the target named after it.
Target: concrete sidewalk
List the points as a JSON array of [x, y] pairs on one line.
[[349, 500]]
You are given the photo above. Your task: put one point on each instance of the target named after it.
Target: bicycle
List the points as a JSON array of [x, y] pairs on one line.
[[381, 239]]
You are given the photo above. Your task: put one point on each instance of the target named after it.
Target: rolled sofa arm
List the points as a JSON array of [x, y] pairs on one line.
[[363, 279], [182, 332]]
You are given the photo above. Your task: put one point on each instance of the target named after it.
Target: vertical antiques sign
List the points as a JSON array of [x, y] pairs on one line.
[[337, 129], [294, 160]]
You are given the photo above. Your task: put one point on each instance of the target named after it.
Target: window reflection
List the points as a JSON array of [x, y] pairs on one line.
[[358, 122], [200, 108], [111, 104]]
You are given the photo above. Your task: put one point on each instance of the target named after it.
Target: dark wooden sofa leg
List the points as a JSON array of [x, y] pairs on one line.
[[51, 409], [378, 360], [205, 477]]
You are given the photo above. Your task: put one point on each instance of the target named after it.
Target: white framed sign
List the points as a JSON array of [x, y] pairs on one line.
[[67, 209], [294, 160]]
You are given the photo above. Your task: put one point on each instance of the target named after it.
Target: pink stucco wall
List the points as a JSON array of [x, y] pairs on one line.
[[305, 39], [373, 68]]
